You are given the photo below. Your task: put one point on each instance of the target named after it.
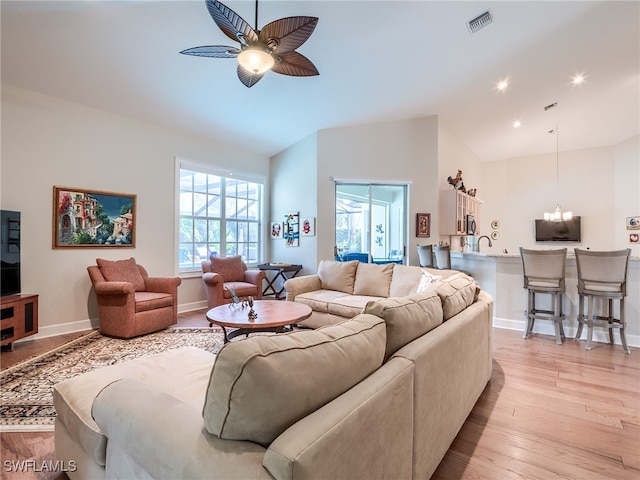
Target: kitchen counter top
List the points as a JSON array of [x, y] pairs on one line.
[[456, 254]]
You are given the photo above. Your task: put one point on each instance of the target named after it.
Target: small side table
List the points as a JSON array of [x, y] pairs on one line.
[[282, 270]]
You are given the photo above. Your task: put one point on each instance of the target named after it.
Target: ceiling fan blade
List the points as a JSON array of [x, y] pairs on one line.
[[249, 78], [214, 51], [231, 24], [296, 65], [288, 33]]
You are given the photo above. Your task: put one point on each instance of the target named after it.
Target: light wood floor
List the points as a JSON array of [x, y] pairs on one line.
[[549, 412]]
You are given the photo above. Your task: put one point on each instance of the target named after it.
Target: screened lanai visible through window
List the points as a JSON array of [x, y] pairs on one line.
[[218, 215], [370, 222]]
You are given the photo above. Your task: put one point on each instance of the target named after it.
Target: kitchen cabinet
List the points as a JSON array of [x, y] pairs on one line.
[[454, 208]]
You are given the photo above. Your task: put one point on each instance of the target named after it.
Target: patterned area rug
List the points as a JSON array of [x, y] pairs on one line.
[[26, 389]]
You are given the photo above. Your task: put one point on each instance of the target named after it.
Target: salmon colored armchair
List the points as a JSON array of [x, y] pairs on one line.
[[130, 303], [223, 274]]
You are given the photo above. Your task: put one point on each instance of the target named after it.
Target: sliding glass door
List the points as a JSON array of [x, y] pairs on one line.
[[370, 222]]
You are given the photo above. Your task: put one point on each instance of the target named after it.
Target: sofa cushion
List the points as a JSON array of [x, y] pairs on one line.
[[122, 271], [231, 268], [349, 306], [146, 301], [242, 289], [457, 292], [407, 318], [319, 300], [405, 281], [263, 384], [338, 276], [182, 373], [373, 280]]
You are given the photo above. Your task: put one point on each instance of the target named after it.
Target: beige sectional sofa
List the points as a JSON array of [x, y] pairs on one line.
[[381, 395], [341, 290]]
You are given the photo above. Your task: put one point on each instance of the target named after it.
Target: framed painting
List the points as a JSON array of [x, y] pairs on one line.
[[93, 218], [276, 230], [423, 225], [633, 223], [292, 229], [308, 228]]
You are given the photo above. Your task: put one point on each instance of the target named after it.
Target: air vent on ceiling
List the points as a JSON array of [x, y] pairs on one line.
[[479, 22]]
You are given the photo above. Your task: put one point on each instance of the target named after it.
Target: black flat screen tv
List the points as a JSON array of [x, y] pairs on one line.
[[558, 231], [9, 252]]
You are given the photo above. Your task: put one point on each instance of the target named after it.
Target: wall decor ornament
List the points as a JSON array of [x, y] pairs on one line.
[[276, 230], [423, 225], [308, 227], [292, 229], [633, 223], [93, 218]]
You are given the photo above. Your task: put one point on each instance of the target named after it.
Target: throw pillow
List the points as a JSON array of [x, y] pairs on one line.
[[231, 268], [427, 281], [261, 385], [122, 271], [407, 318], [373, 280], [338, 276], [457, 292]]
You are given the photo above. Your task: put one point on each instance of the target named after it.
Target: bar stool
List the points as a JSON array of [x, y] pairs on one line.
[[425, 255], [442, 257], [544, 272], [602, 275]]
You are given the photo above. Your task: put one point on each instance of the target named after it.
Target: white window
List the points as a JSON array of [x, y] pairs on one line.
[[217, 213]]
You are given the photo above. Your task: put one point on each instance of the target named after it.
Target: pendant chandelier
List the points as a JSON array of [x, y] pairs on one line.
[[557, 215]]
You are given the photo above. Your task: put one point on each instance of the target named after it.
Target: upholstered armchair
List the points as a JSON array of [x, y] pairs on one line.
[[130, 303], [223, 274]]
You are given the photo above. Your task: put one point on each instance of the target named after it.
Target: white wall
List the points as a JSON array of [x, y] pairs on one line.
[[626, 189], [598, 184], [385, 152], [294, 188], [404, 151], [47, 142]]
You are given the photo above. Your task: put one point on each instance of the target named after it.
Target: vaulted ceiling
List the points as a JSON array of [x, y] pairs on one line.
[[378, 61]]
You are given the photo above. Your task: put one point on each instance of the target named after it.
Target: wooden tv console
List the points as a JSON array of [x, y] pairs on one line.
[[18, 318]]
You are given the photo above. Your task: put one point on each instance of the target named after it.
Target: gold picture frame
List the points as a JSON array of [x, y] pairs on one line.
[[84, 218]]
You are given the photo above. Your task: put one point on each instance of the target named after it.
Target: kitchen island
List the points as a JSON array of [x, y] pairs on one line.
[[501, 276]]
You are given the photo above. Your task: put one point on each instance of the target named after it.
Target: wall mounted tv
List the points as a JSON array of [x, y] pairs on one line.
[[558, 231], [9, 252]]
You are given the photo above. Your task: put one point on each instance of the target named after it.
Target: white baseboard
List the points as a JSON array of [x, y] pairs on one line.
[[546, 328], [190, 307], [91, 324]]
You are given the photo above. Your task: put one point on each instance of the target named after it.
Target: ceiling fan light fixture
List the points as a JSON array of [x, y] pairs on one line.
[[255, 60]]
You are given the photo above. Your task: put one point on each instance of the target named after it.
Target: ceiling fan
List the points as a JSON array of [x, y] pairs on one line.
[[272, 48]]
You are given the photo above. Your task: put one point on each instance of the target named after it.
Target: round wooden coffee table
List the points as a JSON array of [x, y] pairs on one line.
[[272, 316]]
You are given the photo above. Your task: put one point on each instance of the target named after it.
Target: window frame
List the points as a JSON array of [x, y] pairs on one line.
[[184, 164]]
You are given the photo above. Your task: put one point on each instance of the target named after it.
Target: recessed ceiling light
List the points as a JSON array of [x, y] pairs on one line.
[[502, 85], [578, 79], [517, 124]]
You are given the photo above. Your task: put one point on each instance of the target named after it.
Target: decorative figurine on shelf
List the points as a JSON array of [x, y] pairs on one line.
[[252, 313], [457, 182], [472, 192]]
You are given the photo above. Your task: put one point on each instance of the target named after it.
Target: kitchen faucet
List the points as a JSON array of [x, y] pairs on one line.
[[478, 242]]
